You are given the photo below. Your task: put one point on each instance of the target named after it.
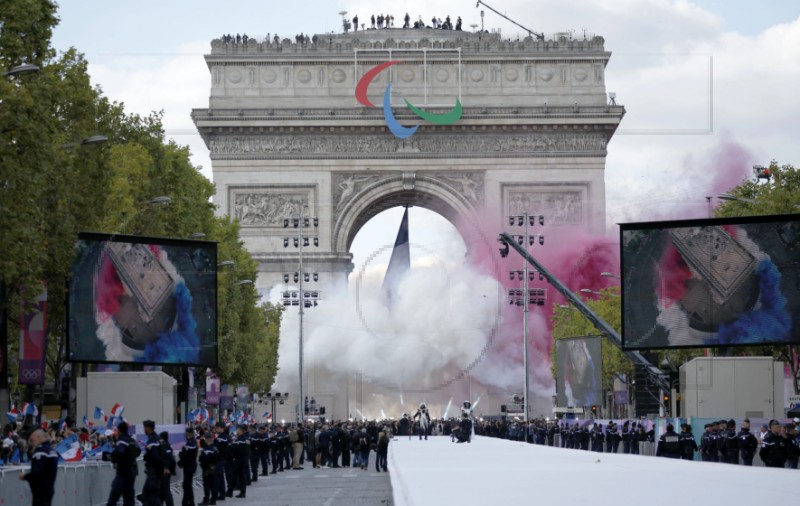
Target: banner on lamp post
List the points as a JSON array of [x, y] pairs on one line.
[[212, 388], [32, 345], [226, 397]]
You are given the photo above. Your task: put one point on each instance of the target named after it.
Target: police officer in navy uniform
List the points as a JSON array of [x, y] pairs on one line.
[[187, 460], [794, 444], [240, 451], [731, 445], [274, 451], [44, 467], [633, 436], [747, 443], [209, 456], [669, 444], [687, 443], [124, 459], [222, 470], [169, 469], [775, 448], [263, 450], [154, 467], [255, 452], [707, 444]]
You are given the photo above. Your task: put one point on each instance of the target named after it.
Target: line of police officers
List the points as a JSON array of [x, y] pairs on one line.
[[228, 462]]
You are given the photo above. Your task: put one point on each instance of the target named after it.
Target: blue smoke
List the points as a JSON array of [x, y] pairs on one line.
[[771, 322], [182, 344]]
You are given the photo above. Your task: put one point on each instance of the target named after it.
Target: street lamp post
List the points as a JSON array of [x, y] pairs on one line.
[[301, 222], [528, 297]]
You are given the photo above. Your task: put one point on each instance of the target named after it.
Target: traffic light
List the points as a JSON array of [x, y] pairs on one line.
[[594, 410], [666, 398]]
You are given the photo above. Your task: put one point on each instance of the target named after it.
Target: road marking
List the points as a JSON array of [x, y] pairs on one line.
[[332, 497]]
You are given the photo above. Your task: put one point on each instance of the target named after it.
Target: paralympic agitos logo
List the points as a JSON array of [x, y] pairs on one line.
[[395, 127]]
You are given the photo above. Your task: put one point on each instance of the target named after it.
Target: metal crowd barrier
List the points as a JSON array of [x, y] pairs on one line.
[[80, 484]]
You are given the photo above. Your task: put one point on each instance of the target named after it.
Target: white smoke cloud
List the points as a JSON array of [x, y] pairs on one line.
[[440, 322]]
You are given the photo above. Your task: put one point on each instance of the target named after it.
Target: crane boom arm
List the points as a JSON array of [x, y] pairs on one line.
[[539, 36], [655, 374]]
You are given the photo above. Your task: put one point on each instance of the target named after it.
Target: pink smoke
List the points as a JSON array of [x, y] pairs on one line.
[[577, 259], [107, 288]]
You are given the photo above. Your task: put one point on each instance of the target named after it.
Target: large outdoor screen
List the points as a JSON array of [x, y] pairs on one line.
[[579, 371], [143, 300], [708, 283]]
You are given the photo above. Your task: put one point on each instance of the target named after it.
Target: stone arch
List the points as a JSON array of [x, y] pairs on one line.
[[397, 190]]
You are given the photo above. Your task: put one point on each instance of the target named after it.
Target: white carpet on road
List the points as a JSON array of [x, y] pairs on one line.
[[492, 471]]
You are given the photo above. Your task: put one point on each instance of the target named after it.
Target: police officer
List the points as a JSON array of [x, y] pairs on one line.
[[747, 443], [124, 459], [154, 467], [255, 452], [209, 456], [669, 444], [794, 445], [187, 460], [263, 450], [634, 439], [44, 467], [169, 469], [626, 440], [240, 451], [707, 444], [222, 470], [775, 448], [687, 443], [731, 444], [274, 451]]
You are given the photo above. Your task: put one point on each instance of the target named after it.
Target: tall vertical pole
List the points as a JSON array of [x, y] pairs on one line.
[[300, 399], [526, 301]]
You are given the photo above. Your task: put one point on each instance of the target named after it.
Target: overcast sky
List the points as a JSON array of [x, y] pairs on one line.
[[706, 83]]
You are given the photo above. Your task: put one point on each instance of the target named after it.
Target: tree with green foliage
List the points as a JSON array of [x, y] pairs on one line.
[[53, 185], [780, 194], [569, 322]]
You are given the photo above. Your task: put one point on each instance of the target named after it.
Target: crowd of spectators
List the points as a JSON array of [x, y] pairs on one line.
[[382, 21]]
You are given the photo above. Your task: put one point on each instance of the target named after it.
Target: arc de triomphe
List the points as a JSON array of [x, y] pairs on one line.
[[287, 135]]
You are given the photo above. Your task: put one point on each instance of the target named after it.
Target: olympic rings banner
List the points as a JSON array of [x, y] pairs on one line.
[[398, 130], [32, 344]]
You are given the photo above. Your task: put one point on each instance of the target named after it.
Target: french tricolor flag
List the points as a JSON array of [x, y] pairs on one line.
[[70, 449], [117, 410], [30, 409]]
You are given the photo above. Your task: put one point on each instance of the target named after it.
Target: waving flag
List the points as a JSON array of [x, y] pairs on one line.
[[98, 413], [70, 449], [62, 424], [266, 414], [106, 448], [399, 263], [112, 422], [117, 410], [12, 417], [30, 409]]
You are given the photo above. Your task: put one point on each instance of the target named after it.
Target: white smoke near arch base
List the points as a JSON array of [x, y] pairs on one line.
[[440, 322]]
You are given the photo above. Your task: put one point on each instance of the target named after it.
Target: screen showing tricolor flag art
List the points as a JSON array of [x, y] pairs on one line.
[[143, 300], [712, 282]]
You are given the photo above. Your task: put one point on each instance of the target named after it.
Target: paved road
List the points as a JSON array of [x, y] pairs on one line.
[[313, 487]]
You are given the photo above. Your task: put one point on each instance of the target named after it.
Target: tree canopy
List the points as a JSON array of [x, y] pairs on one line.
[[568, 322], [53, 185], [778, 195]]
